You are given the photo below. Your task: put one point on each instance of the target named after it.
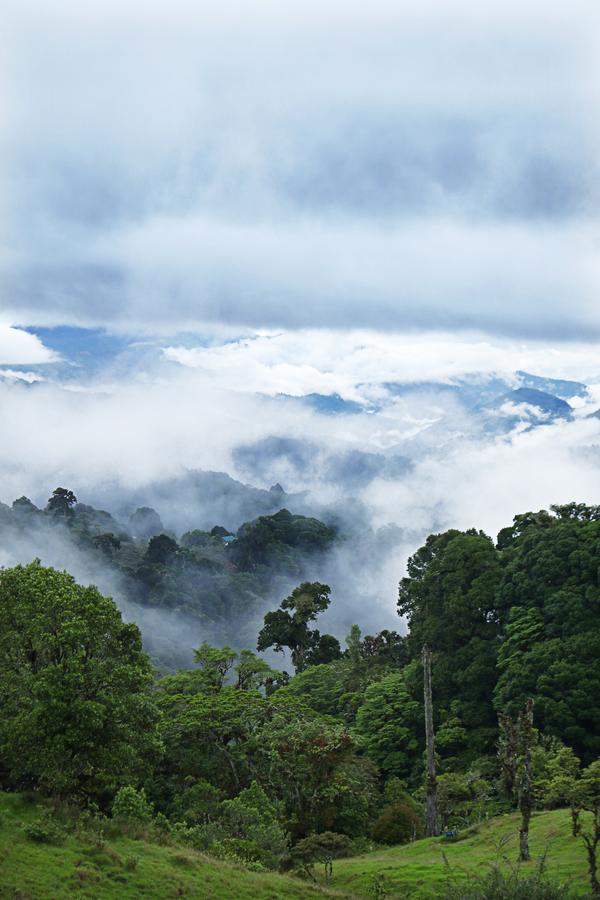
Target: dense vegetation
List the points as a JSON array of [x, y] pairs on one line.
[[240, 760], [215, 582]]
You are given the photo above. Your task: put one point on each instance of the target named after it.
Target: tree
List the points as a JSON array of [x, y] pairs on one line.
[[397, 824], [107, 543], [449, 599], [24, 508], [556, 772], [214, 664], [209, 736], [325, 648], [61, 503], [589, 793], [161, 550], [517, 743], [76, 714], [462, 798], [290, 629], [548, 602], [387, 724], [322, 688], [322, 848], [282, 539], [253, 672], [248, 826], [303, 759]]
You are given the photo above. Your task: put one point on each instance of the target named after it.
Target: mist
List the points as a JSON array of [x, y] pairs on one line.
[[203, 447], [302, 245]]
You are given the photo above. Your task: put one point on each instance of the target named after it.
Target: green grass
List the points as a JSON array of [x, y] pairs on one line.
[[31, 871], [419, 869]]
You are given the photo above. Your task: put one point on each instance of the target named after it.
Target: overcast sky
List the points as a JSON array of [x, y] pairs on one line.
[[385, 165], [236, 200]]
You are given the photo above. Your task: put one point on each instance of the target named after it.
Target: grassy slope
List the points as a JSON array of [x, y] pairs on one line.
[[31, 871], [418, 870]]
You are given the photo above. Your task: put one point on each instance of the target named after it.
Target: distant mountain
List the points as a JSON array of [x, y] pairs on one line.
[[523, 406], [556, 386], [547, 403], [326, 404], [197, 499]]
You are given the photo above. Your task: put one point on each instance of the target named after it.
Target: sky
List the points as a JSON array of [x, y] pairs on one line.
[[205, 207], [403, 166]]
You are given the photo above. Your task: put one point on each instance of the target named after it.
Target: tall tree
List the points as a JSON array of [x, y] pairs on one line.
[[448, 598], [61, 503], [288, 625]]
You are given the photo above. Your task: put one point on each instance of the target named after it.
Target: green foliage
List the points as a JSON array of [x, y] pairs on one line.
[[279, 539], [45, 830], [326, 648], [214, 664], [161, 550], [556, 770], [322, 848], [132, 805], [464, 799], [76, 715], [449, 600], [549, 598], [397, 824], [290, 629], [499, 884], [61, 503], [253, 672], [388, 724], [210, 737], [306, 761], [247, 828], [324, 688]]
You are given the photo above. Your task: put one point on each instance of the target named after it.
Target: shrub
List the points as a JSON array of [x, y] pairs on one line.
[[397, 824], [132, 805], [321, 848], [506, 884], [45, 831], [248, 829], [90, 827]]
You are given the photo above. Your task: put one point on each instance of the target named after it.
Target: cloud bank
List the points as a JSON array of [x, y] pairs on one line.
[[301, 165]]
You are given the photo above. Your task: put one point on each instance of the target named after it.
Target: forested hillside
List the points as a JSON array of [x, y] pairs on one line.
[[286, 771], [213, 582]]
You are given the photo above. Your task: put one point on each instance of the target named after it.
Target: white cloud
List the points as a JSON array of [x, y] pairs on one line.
[[352, 363], [19, 347]]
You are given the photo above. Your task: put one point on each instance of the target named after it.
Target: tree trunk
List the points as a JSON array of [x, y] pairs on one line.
[[575, 823], [431, 816], [590, 846], [524, 854], [526, 785], [591, 841]]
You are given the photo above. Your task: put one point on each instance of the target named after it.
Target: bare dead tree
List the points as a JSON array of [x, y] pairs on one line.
[[431, 814], [517, 740]]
